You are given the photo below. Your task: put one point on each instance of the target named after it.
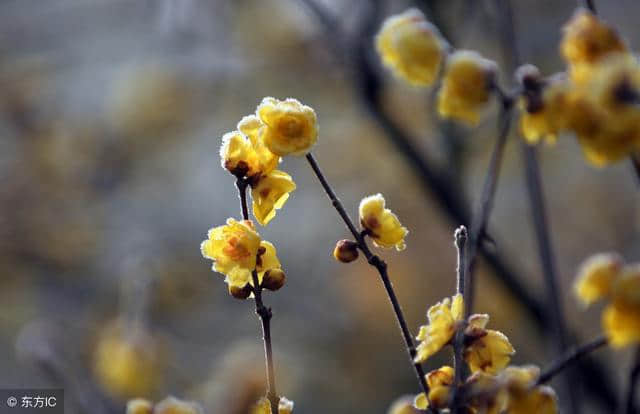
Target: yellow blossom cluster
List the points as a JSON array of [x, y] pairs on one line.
[[237, 250], [606, 276], [381, 224], [263, 406], [485, 350], [416, 52], [169, 405], [253, 151], [513, 390], [597, 100]]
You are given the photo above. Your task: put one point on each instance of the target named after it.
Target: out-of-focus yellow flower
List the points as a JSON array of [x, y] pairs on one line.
[[139, 406], [403, 405], [263, 406], [411, 47], [291, 127], [172, 405], [233, 249], [127, 363], [383, 226], [490, 352], [544, 120], [522, 398], [487, 394], [443, 320], [269, 194], [439, 382], [466, 86], [586, 41], [596, 277]]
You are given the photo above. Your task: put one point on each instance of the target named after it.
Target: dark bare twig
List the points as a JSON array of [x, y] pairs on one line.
[[571, 356], [262, 311], [380, 266], [635, 163], [589, 4]]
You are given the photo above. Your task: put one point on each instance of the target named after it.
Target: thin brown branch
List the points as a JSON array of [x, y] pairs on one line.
[[635, 163], [263, 312], [380, 266], [589, 4], [571, 356]]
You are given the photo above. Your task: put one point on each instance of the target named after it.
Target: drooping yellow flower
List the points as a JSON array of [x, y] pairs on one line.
[[411, 47], [587, 40], [443, 319], [621, 319], [267, 259], [233, 249], [596, 277], [604, 112], [466, 86], [269, 194], [543, 115], [263, 406], [244, 154], [127, 363], [439, 382], [383, 226], [489, 353], [291, 127]]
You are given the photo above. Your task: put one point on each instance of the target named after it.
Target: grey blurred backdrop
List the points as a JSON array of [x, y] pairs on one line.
[[111, 113]]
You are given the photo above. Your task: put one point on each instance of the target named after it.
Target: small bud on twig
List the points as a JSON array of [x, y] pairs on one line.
[[273, 279], [346, 251]]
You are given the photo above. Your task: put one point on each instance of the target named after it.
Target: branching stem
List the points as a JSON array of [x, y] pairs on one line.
[[571, 356], [263, 312]]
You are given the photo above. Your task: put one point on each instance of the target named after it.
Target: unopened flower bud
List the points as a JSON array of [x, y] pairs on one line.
[[346, 251], [240, 292], [273, 279]]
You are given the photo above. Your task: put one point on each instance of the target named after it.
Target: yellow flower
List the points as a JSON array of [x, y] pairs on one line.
[[490, 353], [127, 363], [266, 259], [243, 152], [604, 112], [233, 249], [263, 406], [596, 276], [466, 86], [544, 119], [172, 405], [139, 406], [521, 397], [403, 405], [587, 40], [439, 382], [269, 194], [621, 318], [411, 47], [383, 226], [291, 128], [443, 318], [488, 397]]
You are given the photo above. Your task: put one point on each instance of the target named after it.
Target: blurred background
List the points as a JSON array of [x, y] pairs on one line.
[[111, 114]]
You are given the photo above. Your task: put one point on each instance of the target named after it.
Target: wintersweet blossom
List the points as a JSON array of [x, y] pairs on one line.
[[487, 350], [443, 321], [382, 225], [411, 47], [291, 128], [439, 382], [269, 194], [466, 86], [233, 248], [263, 406]]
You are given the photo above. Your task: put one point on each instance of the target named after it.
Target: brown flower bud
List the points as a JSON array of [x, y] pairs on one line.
[[273, 279], [240, 292], [346, 251]]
